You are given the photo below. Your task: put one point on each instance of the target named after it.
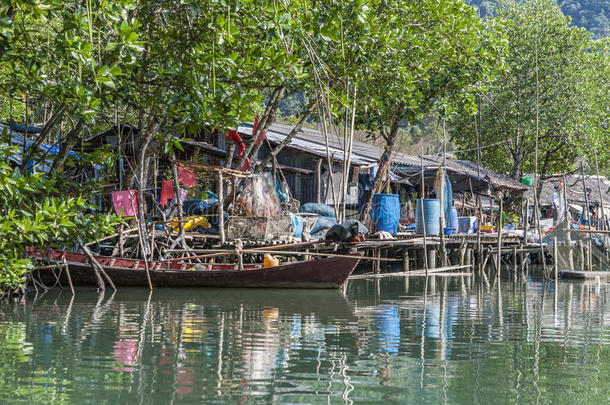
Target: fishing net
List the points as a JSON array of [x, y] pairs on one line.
[[578, 247], [259, 228]]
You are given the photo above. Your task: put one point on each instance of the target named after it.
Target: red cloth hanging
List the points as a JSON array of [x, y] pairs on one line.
[[186, 177], [125, 202], [261, 136], [233, 136], [246, 165], [167, 192]]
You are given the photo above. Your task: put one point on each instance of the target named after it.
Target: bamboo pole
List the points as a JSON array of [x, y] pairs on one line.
[[319, 180], [179, 201], [581, 247], [227, 252], [424, 273], [478, 229], [585, 211], [601, 195], [555, 257], [221, 221], [442, 218], [499, 261], [421, 206]]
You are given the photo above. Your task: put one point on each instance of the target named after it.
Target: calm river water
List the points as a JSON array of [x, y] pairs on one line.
[[447, 340]]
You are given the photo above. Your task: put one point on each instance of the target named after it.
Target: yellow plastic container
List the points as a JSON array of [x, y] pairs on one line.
[[190, 223], [270, 261]]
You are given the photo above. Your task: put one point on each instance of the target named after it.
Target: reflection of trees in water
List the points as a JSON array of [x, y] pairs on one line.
[[450, 343]]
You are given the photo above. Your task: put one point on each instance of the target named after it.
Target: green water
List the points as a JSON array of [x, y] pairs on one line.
[[397, 341]]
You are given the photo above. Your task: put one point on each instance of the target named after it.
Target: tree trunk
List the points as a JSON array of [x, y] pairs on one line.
[[46, 129], [145, 137], [272, 154], [229, 158], [390, 141], [142, 172], [266, 121], [516, 168]]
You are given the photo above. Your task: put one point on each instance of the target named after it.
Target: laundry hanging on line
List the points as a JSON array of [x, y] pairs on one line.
[[125, 203], [186, 177], [167, 192]]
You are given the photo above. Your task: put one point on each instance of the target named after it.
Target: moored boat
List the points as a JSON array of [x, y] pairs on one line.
[[321, 272]]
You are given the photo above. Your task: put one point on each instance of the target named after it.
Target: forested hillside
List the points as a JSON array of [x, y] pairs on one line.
[[594, 15]]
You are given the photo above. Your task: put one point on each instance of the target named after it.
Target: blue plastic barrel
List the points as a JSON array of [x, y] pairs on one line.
[[432, 212], [454, 220], [386, 212]]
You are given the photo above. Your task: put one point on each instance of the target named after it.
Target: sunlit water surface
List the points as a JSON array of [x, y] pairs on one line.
[[447, 340]]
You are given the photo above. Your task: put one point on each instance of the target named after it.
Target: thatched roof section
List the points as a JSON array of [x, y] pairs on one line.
[[463, 174], [575, 191]]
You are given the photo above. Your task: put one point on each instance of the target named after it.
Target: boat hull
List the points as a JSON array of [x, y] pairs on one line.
[[325, 272]]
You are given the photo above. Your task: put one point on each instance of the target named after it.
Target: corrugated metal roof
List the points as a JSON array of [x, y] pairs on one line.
[[312, 141]]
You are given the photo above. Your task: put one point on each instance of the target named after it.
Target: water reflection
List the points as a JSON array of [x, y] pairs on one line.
[[416, 340]]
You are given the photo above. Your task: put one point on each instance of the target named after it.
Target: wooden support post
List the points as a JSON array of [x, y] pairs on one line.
[[601, 195], [405, 260], [179, 201], [555, 257], [478, 229], [422, 196], [527, 222], [431, 258], [442, 220], [462, 254], [378, 261], [484, 263], [590, 255], [581, 248], [221, 206], [319, 180], [499, 262], [515, 260]]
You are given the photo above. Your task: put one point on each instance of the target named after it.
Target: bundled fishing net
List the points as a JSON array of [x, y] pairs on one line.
[[257, 197], [578, 250], [259, 228]]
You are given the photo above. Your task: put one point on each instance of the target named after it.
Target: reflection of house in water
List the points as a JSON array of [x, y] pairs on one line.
[[387, 326], [261, 348]]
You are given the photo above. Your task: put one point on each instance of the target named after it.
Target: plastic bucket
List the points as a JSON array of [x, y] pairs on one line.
[[432, 212], [386, 212]]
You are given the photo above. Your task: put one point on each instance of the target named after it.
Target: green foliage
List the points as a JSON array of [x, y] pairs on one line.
[[420, 55], [547, 66], [31, 216]]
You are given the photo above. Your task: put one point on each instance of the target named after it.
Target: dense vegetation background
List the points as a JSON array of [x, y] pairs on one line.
[[594, 15]]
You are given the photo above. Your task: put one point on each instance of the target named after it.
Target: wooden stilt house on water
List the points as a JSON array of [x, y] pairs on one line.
[[304, 161]]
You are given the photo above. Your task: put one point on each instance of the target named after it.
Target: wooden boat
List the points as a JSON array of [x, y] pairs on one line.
[[584, 275], [323, 272]]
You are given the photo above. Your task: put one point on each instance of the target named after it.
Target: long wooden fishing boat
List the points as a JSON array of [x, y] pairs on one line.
[[321, 272]]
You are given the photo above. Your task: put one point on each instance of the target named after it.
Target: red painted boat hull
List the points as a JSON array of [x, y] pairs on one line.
[[325, 272]]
